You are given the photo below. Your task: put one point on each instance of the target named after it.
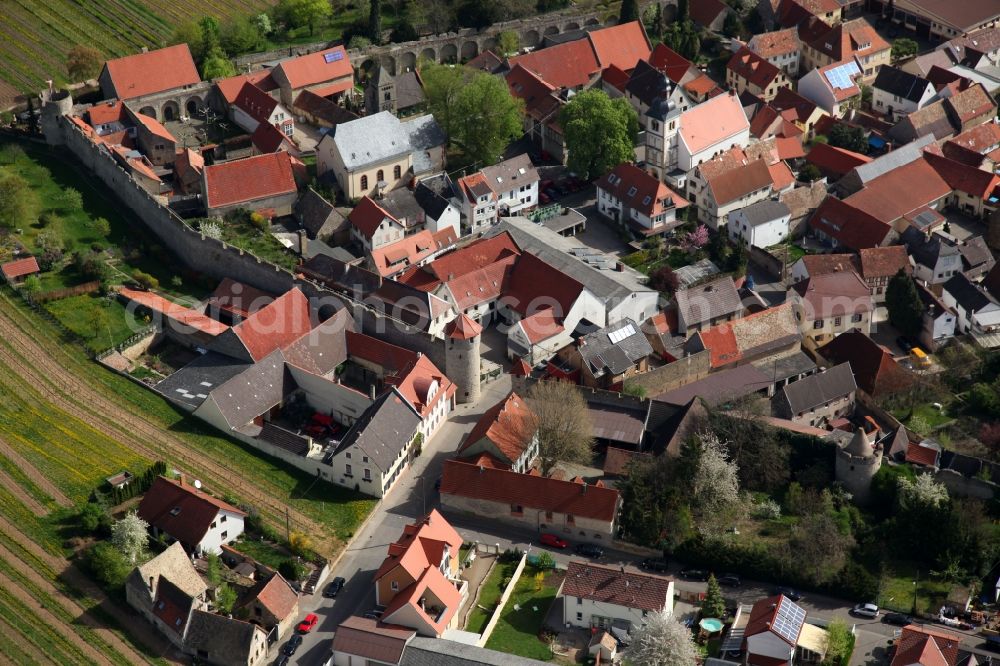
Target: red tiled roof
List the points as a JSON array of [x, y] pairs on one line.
[[248, 179], [421, 545], [736, 183], [541, 325], [475, 255], [20, 268], [971, 103], [964, 178], [368, 215], [313, 68], [106, 112], [155, 126], [533, 281], [333, 88], [238, 298], [703, 85], [539, 97], [852, 228], [616, 461], [926, 647], [230, 87], [508, 425], [269, 139], [671, 63], [394, 360], [848, 39], [835, 162], [521, 368], [753, 68], [922, 455], [415, 385], [789, 100], [181, 510], [482, 285], [875, 371], [186, 316], [879, 262], [709, 123], [255, 102], [900, 191], [147, 73], [721, 342], [278, 597], [463, 328], [821, 264], [566, 65], [763, 614], [485, 459], [618, 587], [781, 175], [433, 580], [648, 194], [972, 144], [393, 258], [621, 45], [790, 147], [536, 492], [615, 77], [276, 325], [765, 121], [835, 294], [776, 43]]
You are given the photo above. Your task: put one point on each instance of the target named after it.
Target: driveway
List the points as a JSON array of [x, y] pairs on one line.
[[413, 497]]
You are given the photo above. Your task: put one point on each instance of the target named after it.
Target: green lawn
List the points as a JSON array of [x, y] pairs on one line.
[[897, 590], [489, 594], [264, 552], [102, 322], [926, 413], [518, 629]]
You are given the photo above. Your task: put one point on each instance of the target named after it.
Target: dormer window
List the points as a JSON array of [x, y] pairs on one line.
[[632, 191], [175, 511]]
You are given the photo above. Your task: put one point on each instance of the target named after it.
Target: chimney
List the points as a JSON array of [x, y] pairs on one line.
[[303, 242], [150, 583], [51, 86], [481, 469], [371, 391], [181, 479], [145, 49], [584, 491]]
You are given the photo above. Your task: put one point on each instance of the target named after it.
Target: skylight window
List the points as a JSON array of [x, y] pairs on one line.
[[632, 191]]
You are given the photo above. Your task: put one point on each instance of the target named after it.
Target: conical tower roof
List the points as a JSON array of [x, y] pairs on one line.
[[463, 327]]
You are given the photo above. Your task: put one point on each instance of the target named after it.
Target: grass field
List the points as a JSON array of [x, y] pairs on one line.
[[522, 618]]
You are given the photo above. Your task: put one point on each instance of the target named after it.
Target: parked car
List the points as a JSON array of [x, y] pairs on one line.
[[729, 580], [653, 564], [282, 660], [548, 539], [898, 619], [334, 588], [788, 592], [589, 550], [292, 645], [374, 614], [865, 610], [694, 574], [306, 625], [904, 344]]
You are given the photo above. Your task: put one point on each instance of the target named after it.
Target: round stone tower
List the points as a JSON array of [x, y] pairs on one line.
[[462, 361], [55, 103], [857, 463]]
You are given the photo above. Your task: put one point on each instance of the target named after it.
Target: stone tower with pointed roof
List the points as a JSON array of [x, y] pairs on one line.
[[462, 356], [380, 93], [857, 463]]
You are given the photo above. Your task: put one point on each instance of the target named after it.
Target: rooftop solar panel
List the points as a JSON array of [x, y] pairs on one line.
[[333, 57], [788, 620]]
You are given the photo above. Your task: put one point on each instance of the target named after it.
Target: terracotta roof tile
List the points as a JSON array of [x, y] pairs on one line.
[[542, 325], [278, 596], [617, 461], [620, 45], [539, 97], [766, 611], [269, 139], [920, 454], [617, 587], [181, 510], [508, 425], [276, 325], [835, 162], [849, 39], [147, 73], [640, 191], [536, 492], [964, 178], [566, 65], [249, 179], [186, 316], [106, 112], [776, 43], [614, 77], [20, 268], [315, 68], [852, 228], [532, 279], [834, 294], [900, 191], [874, 368], [879, 262], [926, 646], [393, 258], [736, 183], [671, 63], [421, 543], [463, 328], [155, 126], [705, 12], [971, 103], [753, 68], [712, 121], [368, 215], [371, 639]]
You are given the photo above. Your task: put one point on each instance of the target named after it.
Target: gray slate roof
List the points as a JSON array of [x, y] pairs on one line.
[[967, 294], [227, 641], [893, 159], [423, 133], [927, 251], [383, 430], [902, 84], [318, 216], [508, 174], [819, 389], [765, 211], [434, 195], [402, 205], [707, 301], [440, 652], [199, 377], [371, 140], [409, 92], [601, 352], [251, 393]]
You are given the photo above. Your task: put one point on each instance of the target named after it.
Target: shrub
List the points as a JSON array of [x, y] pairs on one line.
[[766, 509], [145, 280], [300, 544], [91, 516], [545, 561], [176, 281], [292, 569], [258, 221], [48, 218], [107, 565], [48, 259]]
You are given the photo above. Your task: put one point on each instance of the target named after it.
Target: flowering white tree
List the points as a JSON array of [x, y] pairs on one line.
[[716, 485], [923, 492], [130, 535], [662, 641]]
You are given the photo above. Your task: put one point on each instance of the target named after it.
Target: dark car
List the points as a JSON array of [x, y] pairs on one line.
[[282, 660], [898, 619], [589, 550], [729, 580], [334, 588], [292, 645], [904, 344], [694, 574], [653, 564], [788, 592]]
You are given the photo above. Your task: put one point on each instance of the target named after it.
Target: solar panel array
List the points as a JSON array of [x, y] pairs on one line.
[[840, 77], [333, 57], [788, 620], [621, 334]]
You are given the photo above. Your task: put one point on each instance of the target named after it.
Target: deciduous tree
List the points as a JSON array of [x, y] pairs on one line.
[[225, 598], [17, 201], [664, 279], [847, 137], [489, 117], [662, 641], [83, 62], [107, 565], [562, 421], [600, 132], [507, 43], [904, 47], [906, 310], [298, 13], [715, 485], [130, 535], [375, 22], [240, 35], [216, 65], [629, 11], [819, 548]]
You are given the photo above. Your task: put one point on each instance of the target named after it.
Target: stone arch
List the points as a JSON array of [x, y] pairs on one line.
[[531, 38], [469, 50], [592, 21], [149, 111], [428, 54], [367, 65], [408, 61], [171, 110], [193, 106], [489, 44], [389, 63], [552, 30], [572, 25], [449, 53]]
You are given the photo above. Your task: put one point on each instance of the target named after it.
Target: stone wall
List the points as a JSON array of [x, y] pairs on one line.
[[965, 486], [774, 266], [668, 377]]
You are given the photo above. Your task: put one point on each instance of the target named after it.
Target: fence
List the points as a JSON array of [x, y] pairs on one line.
[[491, 625], [56, 294]]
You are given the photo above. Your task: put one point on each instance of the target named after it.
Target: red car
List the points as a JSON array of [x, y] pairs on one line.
[[306, 625], [554, 541]]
